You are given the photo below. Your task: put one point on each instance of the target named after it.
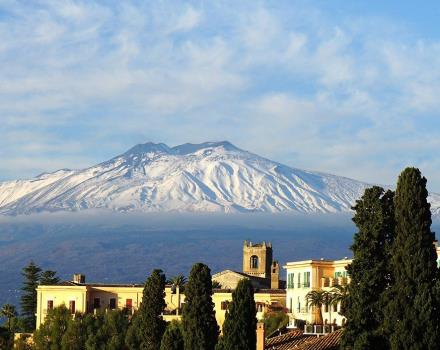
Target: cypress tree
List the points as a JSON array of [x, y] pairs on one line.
[[200, 329], [172, 338], [31, 274], [241, 322], [412, 312], [149, 326], [369, 271]]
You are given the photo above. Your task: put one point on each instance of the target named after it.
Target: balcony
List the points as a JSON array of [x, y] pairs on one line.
[[317, 329]]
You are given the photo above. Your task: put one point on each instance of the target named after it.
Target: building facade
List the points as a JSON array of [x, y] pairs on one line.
[[308, 275]]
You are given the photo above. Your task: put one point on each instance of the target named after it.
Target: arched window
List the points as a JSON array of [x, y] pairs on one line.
[[254, 262]]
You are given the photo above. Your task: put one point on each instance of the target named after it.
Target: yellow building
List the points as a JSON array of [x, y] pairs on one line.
[[308, 275], [82, 297]]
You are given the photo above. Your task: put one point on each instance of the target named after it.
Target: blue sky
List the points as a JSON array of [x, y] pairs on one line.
[[346, 87]]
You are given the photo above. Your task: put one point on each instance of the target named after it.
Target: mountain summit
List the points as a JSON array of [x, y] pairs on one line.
[[206, 177]]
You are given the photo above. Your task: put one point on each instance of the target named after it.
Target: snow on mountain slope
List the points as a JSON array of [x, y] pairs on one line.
[[207, 177]]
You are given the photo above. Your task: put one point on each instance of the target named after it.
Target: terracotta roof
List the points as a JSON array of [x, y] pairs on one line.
[[288, 340], [330, 341]]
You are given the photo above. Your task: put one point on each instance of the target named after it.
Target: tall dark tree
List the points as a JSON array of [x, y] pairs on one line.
[[200, 329], [48, 278], [412, 315], [241, 322], [147, 328], [31, 275], [110, 333], [172, 338], [369, 271]]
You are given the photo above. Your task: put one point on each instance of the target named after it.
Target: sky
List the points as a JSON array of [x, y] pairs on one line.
[[346, 87]]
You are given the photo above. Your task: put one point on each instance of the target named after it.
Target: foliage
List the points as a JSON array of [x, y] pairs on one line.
[[316, 299], [9, 312], [198, 317], [339, 296], [50, 334], [275, 321], [111, 328], [216, 285], [240, 323], [173, 337], [147, 329], [369, 271], [412, 314], [48, 278], [23, 344], [31, 274], [178, 281]]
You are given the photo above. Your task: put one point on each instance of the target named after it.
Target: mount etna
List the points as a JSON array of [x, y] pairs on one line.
[[207, 177]]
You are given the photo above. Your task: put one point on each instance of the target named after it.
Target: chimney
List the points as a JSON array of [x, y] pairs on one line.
[[79, 278], [260, 336]]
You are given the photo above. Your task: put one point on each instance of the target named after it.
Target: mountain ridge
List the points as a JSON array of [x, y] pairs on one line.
[[206, 177]]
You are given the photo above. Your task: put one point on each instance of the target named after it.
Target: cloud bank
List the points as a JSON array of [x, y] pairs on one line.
[[82, 81]]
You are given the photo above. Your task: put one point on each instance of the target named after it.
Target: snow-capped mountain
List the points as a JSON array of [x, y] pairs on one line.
[[207, 177]]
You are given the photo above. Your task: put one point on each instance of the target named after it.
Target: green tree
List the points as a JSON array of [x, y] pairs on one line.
[[412, 315], [275, 321], [216, 285], [340, 296], [49, 278], [241, 322], [172, 338], [374, 218], [147, 328], [178, 281], [315, 299], [9, 312], [200, 329], [31, 274], [51, 332], [110, 331], [75, 336]]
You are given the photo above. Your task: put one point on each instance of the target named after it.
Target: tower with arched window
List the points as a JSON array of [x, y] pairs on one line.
[[257, 259]]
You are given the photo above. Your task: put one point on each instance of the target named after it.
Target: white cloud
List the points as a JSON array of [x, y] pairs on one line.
[[288, 82]]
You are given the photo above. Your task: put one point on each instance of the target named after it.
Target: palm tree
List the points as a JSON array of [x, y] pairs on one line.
[[178, 281], [315, 299], [328, 299], [9, 312], [216, 284], [340, 294]]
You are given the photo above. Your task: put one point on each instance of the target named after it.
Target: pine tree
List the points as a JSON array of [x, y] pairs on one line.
[[172, 338], [369, 271], [75, 336], [147, 328], [49, 278], [200, 329], [31, 274], [110, 332], [412, 315], [241, 322]]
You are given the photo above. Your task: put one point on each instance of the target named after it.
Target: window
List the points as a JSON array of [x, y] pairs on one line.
[[49, 305], [254, 262], [291, 305], [299, 305], [128, 303], [326, 308], [335, 307], [307, 279], [112, 303], [96, 303], [72, 308], [259, 307], [290, 280], [299, 280], [224, 305]]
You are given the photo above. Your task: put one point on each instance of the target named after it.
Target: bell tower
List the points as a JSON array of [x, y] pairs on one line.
[[257, 259]]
